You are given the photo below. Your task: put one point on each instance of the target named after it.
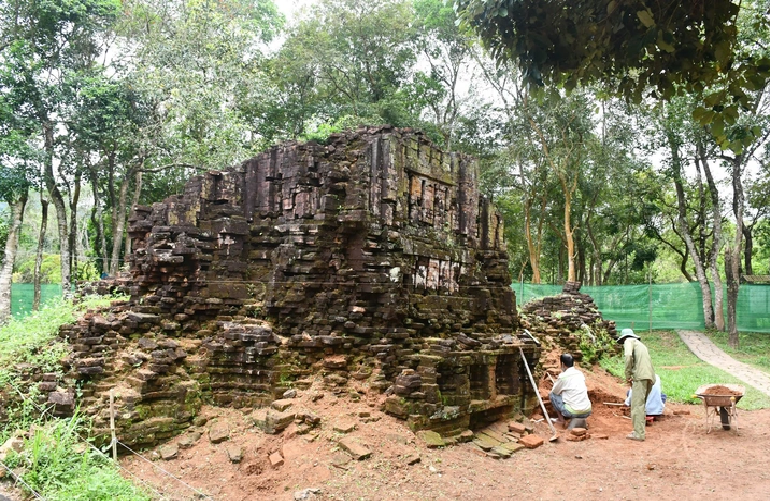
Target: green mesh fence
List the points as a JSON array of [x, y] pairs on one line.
[[21, 297], [662, 306]]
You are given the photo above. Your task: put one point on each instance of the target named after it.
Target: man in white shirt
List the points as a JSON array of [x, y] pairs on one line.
[[569, 395]]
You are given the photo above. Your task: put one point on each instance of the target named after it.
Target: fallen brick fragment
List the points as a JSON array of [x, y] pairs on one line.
[[276, 460], [235, 453], [531, 441], [344, 426], [465, 436], [281, 404], [168, 451], [355, 449], [219, 432]]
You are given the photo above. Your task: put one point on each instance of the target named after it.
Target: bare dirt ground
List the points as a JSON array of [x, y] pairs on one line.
[[678, 460]]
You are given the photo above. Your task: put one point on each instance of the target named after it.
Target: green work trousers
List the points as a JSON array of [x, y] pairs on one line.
[[640, 390]]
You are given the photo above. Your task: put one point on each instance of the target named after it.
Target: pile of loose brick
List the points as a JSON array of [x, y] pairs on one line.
[[558, 320], [369, 261], [499, 440], [104, 287]]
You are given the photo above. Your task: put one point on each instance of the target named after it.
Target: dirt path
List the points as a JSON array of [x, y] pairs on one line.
[[707, 351], [679, 460]]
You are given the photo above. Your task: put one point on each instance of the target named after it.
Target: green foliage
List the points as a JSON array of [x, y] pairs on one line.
[[320, 132], [345, 58], [596, 342], [681, 372], [57, 464], [28, 340], [201, 68], [668, 46], [50, 270]]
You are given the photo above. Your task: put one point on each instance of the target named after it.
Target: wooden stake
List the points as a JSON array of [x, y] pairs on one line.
[[112, 426]]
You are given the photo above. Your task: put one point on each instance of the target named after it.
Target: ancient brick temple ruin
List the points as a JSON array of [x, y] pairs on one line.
[[370, 262]]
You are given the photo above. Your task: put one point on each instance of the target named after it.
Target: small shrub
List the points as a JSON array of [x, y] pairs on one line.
[[596, 343]]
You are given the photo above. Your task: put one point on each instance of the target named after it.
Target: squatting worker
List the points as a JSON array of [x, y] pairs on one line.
[[641, 375], [569, 395]]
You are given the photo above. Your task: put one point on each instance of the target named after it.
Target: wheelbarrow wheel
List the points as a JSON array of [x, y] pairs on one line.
[[724, 416]]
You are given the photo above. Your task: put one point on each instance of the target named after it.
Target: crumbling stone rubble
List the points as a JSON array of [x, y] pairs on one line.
[[561, 320], [371, 263]]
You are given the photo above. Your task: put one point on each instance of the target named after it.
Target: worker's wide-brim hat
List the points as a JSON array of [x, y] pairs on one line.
[[627, 333]]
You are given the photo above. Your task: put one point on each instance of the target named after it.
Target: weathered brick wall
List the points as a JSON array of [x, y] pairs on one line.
[[372, 259]]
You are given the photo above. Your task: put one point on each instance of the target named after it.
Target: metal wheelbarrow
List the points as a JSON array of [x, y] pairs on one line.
[[721, 400]]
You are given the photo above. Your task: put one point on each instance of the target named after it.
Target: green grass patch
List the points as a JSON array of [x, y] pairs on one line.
[[681, 372], [55, 460], [754, 348], [58, 465]]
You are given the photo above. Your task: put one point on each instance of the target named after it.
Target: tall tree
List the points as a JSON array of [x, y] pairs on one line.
[[674, 131], [43, 44], [446, 91], [359, 54], [200, 64], [563, 129], [17, 158]]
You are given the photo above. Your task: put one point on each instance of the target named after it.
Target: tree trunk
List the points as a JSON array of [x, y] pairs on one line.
[[569, 233], [119, 223], [39, 256], [11, 245], [72, 242], [732, 262], [683, 265], [97, 217], [611, 266], [533, 250], [701, 223], [134, 202], [716, 244], [748, 249], [60, 208], [595, 270], [734, 279], [581, 261], [708, 312]]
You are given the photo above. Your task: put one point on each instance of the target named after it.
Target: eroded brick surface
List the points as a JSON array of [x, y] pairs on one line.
[[372, 260]]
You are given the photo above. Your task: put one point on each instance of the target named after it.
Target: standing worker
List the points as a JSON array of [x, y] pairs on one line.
[[641, 375]]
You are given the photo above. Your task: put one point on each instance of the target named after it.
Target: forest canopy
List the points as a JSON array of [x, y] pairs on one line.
[[633, 48], [623, 141]]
